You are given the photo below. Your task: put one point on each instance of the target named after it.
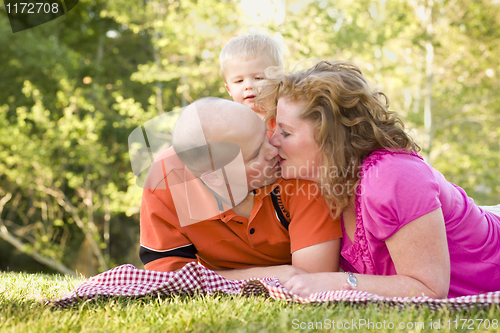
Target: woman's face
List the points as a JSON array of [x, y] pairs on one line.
[[294, 138]]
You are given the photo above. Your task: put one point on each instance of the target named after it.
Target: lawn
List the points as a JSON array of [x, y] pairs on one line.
[[22, 311]]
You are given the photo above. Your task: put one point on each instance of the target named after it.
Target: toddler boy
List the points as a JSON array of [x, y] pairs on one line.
[[243, 61]]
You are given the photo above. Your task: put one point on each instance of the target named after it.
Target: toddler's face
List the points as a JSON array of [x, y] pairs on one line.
[[240, 75]]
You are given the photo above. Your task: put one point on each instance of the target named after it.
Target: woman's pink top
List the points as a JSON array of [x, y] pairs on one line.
[[397, 188]]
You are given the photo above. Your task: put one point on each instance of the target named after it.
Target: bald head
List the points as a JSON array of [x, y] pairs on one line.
[[211, 131]]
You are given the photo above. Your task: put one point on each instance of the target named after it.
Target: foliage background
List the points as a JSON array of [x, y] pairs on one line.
[[73, 89]]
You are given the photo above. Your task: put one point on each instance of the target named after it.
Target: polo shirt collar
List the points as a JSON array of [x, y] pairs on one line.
[[196, 189], [201, 199]]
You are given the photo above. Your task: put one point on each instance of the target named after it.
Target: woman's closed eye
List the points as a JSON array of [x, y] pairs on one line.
[[284, 134]]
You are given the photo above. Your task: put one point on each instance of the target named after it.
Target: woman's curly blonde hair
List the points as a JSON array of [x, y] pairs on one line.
[[349, 117]]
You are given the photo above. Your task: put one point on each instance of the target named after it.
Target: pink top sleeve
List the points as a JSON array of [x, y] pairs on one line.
[[395, 191]]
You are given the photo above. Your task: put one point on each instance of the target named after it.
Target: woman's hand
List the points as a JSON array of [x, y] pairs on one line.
[[307, 284]]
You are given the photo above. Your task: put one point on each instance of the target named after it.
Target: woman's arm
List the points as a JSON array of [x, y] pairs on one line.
[[420, 254]]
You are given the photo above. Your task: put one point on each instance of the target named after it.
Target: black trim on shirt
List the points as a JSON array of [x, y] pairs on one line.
[[280, 208], [148, 255]]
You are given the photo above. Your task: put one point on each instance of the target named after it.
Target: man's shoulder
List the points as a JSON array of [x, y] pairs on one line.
[[165, 166], [169, 159]]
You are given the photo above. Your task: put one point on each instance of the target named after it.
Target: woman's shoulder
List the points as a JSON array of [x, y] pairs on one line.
[[396, 188], [390, 157], [386, 167]]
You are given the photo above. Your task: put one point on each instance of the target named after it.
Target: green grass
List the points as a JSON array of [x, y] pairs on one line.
[[22, 311]]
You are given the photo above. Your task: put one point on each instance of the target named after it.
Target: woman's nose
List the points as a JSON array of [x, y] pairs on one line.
[[274, 139]]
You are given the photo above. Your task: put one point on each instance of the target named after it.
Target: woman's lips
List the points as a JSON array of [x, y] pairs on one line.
[[279, 161]]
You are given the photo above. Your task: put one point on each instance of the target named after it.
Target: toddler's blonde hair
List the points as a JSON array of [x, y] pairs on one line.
[[251, 46]]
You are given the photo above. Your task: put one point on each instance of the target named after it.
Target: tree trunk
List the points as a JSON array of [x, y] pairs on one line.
[[7, 236]]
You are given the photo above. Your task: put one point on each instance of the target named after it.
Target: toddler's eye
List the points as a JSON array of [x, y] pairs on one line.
[[259, 78], [284, 134]]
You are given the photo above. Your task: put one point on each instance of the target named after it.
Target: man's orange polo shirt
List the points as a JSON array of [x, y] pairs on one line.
[[226, 240]]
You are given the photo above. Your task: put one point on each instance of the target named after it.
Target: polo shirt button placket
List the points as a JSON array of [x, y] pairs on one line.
[[252, 231]]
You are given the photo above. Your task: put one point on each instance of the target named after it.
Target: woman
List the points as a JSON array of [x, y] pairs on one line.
[[407, 231]]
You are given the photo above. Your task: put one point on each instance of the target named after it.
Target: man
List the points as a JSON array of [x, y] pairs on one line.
[[216, 197]]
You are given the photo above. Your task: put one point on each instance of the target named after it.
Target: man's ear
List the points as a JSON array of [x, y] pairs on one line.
[[212, 179], [227, 88]]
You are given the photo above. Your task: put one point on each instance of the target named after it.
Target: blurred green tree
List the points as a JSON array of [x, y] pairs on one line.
[[72, 91]]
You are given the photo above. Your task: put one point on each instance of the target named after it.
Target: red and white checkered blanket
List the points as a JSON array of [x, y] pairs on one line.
[[126, 280]]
